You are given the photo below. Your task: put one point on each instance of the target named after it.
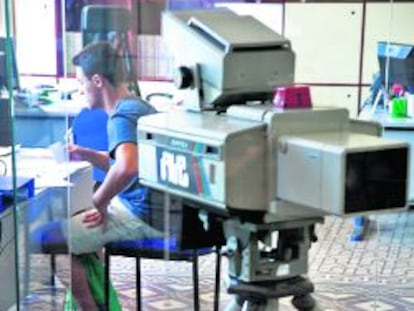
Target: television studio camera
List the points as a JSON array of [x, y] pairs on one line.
[[274, 173]]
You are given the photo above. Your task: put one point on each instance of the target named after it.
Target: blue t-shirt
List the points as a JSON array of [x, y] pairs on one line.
[[122, 128]]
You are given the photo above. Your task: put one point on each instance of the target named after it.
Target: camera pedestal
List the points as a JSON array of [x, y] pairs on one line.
[[267, 261], [265, 296]]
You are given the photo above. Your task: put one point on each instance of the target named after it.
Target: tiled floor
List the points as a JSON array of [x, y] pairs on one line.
[[375, 274]]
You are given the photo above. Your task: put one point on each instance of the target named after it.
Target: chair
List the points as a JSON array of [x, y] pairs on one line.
[[155, 249], [49, 240], [89, 130], [184, 243]]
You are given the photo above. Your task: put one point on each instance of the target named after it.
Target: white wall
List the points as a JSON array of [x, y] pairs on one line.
[[326, 38], [36, 36], [2, 19]]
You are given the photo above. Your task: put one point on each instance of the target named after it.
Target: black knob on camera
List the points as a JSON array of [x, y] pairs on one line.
[[183, 77]]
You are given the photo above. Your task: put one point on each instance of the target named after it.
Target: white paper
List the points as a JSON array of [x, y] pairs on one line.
[[41, 164]]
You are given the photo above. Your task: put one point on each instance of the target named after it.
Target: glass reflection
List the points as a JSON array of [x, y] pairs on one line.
[[350, 57]]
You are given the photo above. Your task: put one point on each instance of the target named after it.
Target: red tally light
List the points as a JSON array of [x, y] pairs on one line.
[[292, 97]]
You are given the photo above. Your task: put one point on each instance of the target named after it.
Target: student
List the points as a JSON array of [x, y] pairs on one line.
[[120, 205]]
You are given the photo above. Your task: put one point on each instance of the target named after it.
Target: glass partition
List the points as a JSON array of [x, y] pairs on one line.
[[359, 263], [55, 114], [36, 262], [8, 197], [390, 102], [350, 54]]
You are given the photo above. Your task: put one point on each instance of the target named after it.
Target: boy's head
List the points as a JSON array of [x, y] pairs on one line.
[[103, 59], [98, 65]]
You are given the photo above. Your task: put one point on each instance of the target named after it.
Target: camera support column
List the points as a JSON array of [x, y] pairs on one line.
[[267, 261]]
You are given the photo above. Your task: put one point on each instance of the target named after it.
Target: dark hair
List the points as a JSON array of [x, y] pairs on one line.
[[101, 58]]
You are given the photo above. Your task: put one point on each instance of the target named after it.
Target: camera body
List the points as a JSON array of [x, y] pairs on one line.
[[272, 173], [251, 158]]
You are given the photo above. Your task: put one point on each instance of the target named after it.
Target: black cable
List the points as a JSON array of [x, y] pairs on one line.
[[160, 94]]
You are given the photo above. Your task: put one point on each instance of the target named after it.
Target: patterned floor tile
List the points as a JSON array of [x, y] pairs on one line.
[[408, 299], [167, 305], [374, 305], [348, 276]]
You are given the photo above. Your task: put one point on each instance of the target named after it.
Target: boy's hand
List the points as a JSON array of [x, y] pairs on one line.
[[75, 152], [95, 218]]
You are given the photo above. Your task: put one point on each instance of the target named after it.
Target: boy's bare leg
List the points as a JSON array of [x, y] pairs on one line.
[[80, 287], [75, 280]]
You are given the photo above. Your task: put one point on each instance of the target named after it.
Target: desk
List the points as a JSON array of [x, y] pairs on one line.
[[64, 186], [41, 126]]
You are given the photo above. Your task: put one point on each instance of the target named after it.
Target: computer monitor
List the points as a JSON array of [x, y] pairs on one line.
[[396, 61], [104, 22], [5, 46]]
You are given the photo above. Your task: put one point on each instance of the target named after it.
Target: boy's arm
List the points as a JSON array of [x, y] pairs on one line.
[[119, 175], [98, 159]]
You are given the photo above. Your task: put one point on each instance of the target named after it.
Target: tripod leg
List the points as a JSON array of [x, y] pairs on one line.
[[272, 305], [233, 305], [304, 302], [259, 306]]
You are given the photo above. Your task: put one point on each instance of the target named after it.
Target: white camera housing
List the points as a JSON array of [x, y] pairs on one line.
[[342, 173], [254, 157]]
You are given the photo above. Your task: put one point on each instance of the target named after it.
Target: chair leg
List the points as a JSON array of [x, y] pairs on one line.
[[217, 280], [27, 258], [52, 279], [53, 272], [195, 281], [106, 283], [138, 283]]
